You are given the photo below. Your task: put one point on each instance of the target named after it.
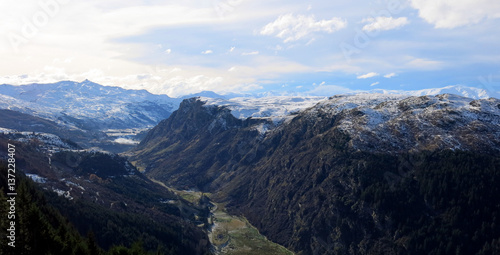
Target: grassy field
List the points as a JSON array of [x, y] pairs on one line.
[[234, 235]]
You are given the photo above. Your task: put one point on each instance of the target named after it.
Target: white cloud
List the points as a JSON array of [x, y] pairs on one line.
[[87, 32], [173, 80], [390, 75], [424, 64], [452, 13], [374, 84], [207, 52], [310, 41], [368, 75], [384, 23], [116, 42], [291, 27], [250, 53]]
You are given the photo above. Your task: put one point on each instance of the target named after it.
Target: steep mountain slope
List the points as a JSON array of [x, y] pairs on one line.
[[372, 122], [359, 174], [43, 230], [16, 121], [196, 131], [103, 194]]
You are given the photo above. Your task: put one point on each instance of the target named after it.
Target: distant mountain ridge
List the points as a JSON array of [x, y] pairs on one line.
[[470, 92], [88, 105], [122, 114], [280, 107]]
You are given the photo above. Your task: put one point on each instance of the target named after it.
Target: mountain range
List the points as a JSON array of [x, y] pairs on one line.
[[87, 105], [90, 106], [354, 174], [378, 172]]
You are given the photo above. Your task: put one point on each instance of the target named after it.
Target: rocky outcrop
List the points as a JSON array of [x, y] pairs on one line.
[[197, 145]]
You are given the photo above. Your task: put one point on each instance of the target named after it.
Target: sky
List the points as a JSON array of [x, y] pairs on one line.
[[242, 46]]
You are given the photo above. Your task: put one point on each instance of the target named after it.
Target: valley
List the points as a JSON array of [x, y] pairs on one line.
[[327, 181], [230, 234], [232, 127], [365, 173]]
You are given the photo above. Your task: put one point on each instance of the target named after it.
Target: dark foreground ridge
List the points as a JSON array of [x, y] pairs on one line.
[[90, 202]]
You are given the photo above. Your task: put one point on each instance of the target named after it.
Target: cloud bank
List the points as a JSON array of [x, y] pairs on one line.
[[452, 13]]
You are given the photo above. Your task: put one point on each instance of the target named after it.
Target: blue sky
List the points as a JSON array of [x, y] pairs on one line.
[[310, 47]]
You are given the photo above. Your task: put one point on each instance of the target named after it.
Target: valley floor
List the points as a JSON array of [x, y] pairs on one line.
[[230, 234]]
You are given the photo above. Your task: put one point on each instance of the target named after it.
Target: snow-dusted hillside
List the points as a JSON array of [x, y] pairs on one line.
[[398, 123], [264, 107], [281, 107], [378, 122], [88, 105], [44, 140]]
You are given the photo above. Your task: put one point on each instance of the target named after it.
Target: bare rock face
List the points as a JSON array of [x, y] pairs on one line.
[[197, 144]]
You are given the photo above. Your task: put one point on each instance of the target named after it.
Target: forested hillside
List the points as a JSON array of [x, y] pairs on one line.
[[84, 202]]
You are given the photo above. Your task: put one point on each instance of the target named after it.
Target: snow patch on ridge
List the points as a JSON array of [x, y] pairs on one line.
[[275, 107], [394, 123]]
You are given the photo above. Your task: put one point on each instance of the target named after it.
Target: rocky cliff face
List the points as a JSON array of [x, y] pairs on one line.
[[360, 174], [210, 140]]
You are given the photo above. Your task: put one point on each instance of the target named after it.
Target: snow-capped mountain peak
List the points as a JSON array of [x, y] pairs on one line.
[[88, 103]]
